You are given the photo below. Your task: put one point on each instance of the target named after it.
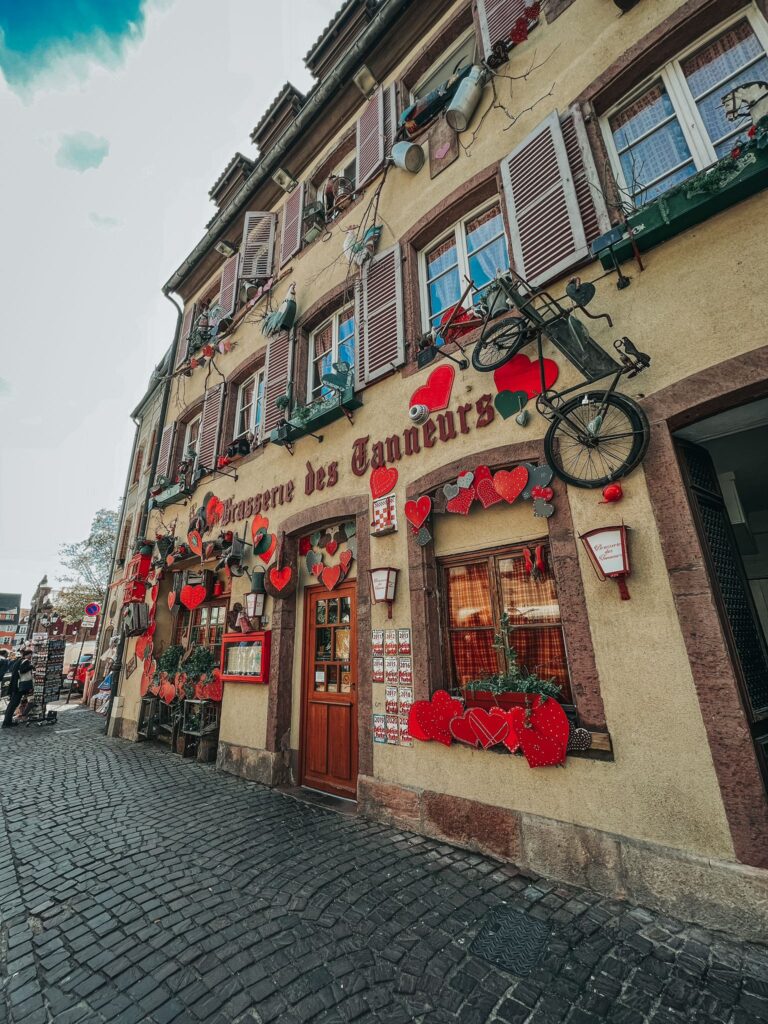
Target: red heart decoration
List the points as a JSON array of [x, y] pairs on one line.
[[305, 545], [141, 646], [191, 597], [416, 512], [383, 480], [436, 392], [259, 523], [215, 689], [280, 578], [332, 547], [153, 593], [430, 720], [331, 575], [214, 511], [145, 681], [480, 728], [510, 484], [462, 503], [167, 691], [345, 560], [482, 473], [522, 374], [195, 542], [151, 628], [487, 493], [317, 569], [266, 556], [171, 599], [543, 732], [545, 493]]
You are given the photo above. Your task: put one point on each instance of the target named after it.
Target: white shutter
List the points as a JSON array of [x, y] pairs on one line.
[[497, 19], [277, 372], [293, 212], [210, 422], [370, 138], [228, 286], [544, 216], [186, 326], [390, 118], [381, 327], [166, 447], [256, 251], [589, 190]]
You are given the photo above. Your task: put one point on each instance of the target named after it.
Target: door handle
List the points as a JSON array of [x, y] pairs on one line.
[[334, 703]]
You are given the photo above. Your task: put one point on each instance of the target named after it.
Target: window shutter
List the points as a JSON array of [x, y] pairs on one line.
[[228, 286], [381, 327], [544, 216], [390, 118], [497, 19], [277, 373], [166, 446], [589, 191], [186, 326], [210, 421], [293, 212], [256, 251], [370, 138]]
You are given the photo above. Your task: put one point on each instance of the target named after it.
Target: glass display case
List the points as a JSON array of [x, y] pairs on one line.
[[245, 657]]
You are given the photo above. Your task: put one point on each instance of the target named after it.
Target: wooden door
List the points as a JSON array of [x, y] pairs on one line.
[[329, 711]]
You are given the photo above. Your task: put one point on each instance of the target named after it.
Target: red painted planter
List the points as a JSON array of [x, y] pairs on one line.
[[486, 699]]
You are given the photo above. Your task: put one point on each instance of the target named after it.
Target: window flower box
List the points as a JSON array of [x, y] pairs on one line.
[[696, 199], [309, 418], [169, 496]]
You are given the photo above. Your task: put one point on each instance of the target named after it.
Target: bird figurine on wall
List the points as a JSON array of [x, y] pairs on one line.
[[282, 318], [359, 250]]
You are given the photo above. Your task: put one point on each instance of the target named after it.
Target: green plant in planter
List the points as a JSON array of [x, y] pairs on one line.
[[169, 661], [516, 678], [199, 668]]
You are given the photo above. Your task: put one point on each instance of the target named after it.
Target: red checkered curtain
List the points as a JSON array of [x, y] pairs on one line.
[[469, 607]]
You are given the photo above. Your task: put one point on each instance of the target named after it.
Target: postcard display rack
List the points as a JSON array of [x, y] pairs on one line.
[[47, 668]]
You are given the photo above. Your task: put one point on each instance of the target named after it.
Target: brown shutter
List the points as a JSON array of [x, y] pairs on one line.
[[228, 286], [166, 446], [589, 193], [544, 216], [210, 421], [186, 326], [497, 19], [293, 212], [256, 251], [277, 375], [370, 138], [390, 118], [381, 326]]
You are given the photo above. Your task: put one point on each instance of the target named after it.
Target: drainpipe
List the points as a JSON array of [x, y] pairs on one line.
[[119, 653]]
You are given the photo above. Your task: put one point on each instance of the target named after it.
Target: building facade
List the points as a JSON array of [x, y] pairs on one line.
[[442, 143], [10, 616]]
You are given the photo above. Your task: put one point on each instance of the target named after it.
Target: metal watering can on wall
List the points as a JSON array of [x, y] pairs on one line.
[[464, 103]]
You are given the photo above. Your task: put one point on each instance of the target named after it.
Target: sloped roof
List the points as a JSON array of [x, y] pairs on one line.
[[289, 93], [237, 162]]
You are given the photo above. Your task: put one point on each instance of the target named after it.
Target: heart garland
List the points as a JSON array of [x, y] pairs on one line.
[[341, 540]]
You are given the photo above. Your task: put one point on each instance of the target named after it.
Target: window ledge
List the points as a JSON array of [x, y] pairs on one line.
[[695, 200], [326, 412]]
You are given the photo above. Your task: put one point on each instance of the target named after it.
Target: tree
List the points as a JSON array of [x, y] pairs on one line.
[[88, 563]]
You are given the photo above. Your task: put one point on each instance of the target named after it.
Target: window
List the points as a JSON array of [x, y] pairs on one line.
[[331, 343], [477, 248], [675, 125], [203, 627], [137, 466], [461, 54], [250, 405], [125, 540], [477, 590], [191, 435]]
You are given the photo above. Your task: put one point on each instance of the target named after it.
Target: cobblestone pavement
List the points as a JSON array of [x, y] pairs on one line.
[[135, 886]]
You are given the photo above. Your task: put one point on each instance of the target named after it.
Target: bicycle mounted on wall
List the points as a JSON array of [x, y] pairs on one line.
[[594, 437]]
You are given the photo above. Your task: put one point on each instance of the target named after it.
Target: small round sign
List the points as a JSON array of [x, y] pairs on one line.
[[92, 609]]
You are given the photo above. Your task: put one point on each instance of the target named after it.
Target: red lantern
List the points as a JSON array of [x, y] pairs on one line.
[[609, 555]]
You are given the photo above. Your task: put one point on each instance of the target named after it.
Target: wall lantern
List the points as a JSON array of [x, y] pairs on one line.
[[383, 584], [609, 555], [254, 599]]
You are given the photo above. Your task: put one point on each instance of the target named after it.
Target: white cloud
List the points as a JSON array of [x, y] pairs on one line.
[[81, 151]]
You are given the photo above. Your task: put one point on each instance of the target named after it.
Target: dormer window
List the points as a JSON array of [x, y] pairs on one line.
[[458, 56]]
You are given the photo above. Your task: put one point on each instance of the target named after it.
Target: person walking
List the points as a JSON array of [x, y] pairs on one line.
[[22, 683]]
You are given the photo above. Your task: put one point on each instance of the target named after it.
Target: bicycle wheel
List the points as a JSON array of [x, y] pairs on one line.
[[586, 454], [500, 342]]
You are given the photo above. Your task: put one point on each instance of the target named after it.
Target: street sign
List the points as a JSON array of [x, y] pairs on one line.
[[89, 621], [92, 609]]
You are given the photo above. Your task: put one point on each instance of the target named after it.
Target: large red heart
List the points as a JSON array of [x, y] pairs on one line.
[[191, 597], [480, 728], [436, 392], [522, 374], [542, 732], [214, 511], [141, 646], [331, 575], [145, 681], [195, 542], [430, 720], [345, 560], [280, 578], [266, 556], [417, 512], [462, 503], [259, 524], [383, 480], [510, 484], [332, 547], [487, 493]]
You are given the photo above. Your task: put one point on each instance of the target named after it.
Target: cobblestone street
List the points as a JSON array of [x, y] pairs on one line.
[[136, 886]]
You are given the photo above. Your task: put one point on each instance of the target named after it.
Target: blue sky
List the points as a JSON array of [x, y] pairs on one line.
[[118, 133]]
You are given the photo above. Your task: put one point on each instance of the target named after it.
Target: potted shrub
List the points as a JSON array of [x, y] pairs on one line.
[[516, 685]]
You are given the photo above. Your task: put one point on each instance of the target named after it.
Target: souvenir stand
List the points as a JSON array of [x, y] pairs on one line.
[[47, 668]]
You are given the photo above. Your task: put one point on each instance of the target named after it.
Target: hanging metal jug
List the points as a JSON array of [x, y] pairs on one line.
[[464, 103], [408, 156]]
